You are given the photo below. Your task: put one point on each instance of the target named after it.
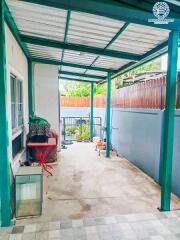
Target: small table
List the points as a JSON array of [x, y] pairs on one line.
[[41, 150]]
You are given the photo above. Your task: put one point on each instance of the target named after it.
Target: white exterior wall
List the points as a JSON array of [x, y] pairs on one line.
[[16, 63], [46, 91]]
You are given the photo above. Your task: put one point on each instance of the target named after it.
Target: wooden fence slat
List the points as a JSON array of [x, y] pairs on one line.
[[149, 94]]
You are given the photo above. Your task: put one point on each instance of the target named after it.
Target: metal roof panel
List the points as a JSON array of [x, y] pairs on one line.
[[84, 29], [110, 63], [139, 39], [78, 57], [78, 78], [45, 52], [38, 20], [92, 30], [72, 69]]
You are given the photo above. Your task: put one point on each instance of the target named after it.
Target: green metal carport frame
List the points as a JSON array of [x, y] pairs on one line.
[[4, 142], [113, 10]]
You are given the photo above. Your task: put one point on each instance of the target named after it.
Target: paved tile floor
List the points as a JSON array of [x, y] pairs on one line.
[[142, 226]]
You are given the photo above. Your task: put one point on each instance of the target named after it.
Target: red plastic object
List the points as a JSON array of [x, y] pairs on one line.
[[41, 150]]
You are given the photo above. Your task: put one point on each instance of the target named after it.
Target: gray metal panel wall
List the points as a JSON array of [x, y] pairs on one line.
[[136, 135]]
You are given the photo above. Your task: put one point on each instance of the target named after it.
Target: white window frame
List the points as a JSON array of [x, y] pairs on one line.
[[18, 128]]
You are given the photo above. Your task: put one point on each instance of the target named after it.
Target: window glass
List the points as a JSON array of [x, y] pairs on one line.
[[16, 102], [13, 102], [20, 103]]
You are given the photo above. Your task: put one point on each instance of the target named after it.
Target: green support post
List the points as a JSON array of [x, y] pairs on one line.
[[81, 130], [108, 116], [30, 88], [64, 128], [168, 138], [92, 112], [5, 209]]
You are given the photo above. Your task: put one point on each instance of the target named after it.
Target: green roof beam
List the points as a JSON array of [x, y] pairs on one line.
[[81, 75], [79, 48], [67, 25], [66, 33], [111, 9], [76, 80], [112, 40], [54, 62], [117, 35], [13, 27]]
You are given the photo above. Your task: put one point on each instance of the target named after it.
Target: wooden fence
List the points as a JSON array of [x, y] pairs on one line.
[[149, 94], [75, 101]]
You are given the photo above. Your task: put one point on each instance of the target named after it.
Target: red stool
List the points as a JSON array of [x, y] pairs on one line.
[[41, 150]]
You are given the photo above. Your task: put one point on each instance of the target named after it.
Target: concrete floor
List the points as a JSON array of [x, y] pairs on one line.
[[86, 185]]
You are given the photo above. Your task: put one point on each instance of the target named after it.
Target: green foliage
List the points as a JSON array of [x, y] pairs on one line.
[[82, 132], [99, 89], [121, 85], [83, 137], [152, 66], [79, 90], [71, 130], [83, 90]]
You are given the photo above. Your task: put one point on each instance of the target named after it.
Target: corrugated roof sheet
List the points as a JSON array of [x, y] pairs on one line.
[[45, 52], [139, 39], [84, 29]]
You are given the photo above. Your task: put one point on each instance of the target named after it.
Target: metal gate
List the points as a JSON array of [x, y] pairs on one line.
[[78, 128]]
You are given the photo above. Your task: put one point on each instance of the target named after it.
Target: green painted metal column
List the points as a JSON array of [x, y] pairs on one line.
[[108, 116], [92, 112], [5, 213], [30, 88], [168, 138]]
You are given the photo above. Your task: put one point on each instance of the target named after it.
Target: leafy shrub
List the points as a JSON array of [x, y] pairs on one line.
[[71, 130], [82, 133]]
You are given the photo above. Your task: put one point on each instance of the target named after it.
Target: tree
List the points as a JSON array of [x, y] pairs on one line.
[[152, 66], [83, 89]]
